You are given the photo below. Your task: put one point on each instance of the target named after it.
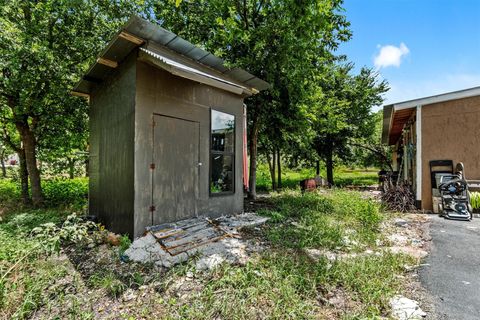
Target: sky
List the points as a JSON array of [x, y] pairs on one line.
[[421, 47]]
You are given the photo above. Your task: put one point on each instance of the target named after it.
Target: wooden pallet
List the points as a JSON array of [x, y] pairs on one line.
[[185, 236]]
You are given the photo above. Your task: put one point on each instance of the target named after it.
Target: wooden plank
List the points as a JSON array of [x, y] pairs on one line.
[[181, 249], [130, 37], [207, 233], [167, 233], [108, 63]]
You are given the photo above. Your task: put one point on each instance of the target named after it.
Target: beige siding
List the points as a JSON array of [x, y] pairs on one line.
[[450, 130]]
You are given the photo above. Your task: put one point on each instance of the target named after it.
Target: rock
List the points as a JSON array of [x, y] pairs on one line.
[[209, 262], [406, 309], [411, 251], [400, 222], [129, 295]]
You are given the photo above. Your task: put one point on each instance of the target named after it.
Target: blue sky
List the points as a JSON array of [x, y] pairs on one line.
[[421, 47]]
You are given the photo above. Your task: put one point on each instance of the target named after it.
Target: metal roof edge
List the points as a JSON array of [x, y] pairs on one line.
[[153, 33], [454, 95]]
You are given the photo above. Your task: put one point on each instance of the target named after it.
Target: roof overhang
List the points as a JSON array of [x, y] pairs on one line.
[[396, 115], [393, 123], [185, 71], [138, 32]]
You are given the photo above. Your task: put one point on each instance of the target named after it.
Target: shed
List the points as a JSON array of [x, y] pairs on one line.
[[440, 127], [166, 130]]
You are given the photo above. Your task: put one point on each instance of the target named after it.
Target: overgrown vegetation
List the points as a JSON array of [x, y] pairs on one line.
[[281, 282], [336, 219], [58, 192]]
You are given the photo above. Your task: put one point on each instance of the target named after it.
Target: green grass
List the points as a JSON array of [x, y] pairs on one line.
[[281, 282], [330, 220], [291, 177]]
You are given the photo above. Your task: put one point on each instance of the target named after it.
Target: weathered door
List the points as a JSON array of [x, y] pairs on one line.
[[175, 177]]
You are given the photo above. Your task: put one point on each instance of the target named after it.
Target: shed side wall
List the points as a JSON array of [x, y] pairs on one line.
[[112, 120], [162, 93], [451, 131]]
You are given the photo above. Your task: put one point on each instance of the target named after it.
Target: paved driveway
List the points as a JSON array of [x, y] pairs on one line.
[[452, 270]]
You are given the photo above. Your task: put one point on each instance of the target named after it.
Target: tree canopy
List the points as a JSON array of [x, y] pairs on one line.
[[315, 102]]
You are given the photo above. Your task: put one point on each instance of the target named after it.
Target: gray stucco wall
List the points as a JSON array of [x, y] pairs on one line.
[[112, 124], [160, 92]]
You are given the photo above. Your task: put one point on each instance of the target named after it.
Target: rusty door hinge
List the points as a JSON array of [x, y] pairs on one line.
[[152, 208], [152, 166]]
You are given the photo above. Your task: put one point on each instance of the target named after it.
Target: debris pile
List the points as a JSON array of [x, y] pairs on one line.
[[399, 198], [212, 241]]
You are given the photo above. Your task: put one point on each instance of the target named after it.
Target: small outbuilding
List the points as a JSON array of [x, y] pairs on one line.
[[166, 130], [435, 130]]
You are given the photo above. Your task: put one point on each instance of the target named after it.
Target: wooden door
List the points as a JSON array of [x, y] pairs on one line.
[[175, 177]]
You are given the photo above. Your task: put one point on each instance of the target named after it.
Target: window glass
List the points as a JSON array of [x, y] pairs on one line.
[[222, 153], [222, 131], [222, 173]]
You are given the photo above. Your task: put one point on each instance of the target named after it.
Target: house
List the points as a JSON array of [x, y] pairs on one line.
[[441, 127], [166, 130]]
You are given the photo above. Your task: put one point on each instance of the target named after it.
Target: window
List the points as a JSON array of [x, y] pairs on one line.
[[222, 152]]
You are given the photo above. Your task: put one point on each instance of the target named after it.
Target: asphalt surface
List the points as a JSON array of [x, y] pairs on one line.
[[451, 273]]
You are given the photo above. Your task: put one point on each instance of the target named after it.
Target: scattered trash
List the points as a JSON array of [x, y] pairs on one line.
[[406, 309]]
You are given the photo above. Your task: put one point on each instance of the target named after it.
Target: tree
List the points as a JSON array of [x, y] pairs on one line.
[[370, 151], [342, 112], [282, 42], [45, 46]]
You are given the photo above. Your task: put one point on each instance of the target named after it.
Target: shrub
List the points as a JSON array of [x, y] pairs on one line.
[[65, 191], [57, 192], [9, 191]]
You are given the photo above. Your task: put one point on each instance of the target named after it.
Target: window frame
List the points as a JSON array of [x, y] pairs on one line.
[[223, 153]]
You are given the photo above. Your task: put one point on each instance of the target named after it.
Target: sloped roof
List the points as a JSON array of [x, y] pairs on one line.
[[139, 32], [397, 114]]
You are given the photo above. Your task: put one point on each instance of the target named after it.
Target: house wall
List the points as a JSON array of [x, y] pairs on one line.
[[162, 93], [450, 130], [111, 149]]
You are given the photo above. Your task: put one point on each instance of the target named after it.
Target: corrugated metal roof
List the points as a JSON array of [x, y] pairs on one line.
[[188, 72], [118, 49]]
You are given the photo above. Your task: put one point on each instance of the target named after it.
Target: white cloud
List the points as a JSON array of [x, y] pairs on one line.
[[390, 55]]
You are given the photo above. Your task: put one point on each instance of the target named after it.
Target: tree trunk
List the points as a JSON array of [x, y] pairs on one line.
[[87, 166], [279, 169], [317, 167], [24, 177], [329, 165], [29, 145], [71, 167], [253, 139], [271, 168], [2, 162]]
